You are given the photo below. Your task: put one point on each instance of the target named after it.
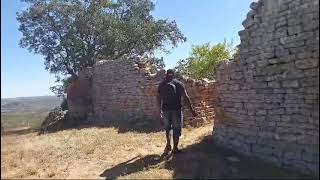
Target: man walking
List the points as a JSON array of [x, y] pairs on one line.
[[170, 91]]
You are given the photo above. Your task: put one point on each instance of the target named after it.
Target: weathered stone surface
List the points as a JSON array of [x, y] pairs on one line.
[[282, 59], [79, 95], [264, 103], [132, 95], [294, 29], [307, 63], [290, 83], [274, 84]]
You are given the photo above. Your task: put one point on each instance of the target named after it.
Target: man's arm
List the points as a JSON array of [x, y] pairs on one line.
[[188, 101], [159, 104]]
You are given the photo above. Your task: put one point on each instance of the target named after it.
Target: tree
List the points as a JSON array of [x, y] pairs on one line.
[[60, 90], [204, 60], [71, 34]]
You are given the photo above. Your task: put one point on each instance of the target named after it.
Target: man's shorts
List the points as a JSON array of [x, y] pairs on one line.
[[173, 119]]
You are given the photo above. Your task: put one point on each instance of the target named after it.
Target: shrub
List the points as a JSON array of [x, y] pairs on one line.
[[204, 60]]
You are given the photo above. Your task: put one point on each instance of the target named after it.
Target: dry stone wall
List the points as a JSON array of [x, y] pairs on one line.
[[264, 103], [79, 96], [125, 89], [268, 96], [119, 91]]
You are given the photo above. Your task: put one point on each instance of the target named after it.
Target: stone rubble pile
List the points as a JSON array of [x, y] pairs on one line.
[[56, 120]]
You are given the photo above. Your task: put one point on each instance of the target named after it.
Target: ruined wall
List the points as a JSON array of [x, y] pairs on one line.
[[269, 94], [125, 89], [119, 91], [203, 97], [265, 102], [79, 95]]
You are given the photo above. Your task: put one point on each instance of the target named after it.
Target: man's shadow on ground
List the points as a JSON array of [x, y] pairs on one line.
[[204, 160], [130, 167]]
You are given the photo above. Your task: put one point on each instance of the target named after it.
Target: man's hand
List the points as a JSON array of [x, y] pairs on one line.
[[187, 100], [161, 118]]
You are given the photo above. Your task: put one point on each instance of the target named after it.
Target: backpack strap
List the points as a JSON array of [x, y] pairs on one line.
[[173, 85]]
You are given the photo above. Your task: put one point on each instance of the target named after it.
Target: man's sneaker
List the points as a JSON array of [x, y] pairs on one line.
[[176, 150]]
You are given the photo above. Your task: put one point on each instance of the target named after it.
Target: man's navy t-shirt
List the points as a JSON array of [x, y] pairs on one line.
[[170, 102]]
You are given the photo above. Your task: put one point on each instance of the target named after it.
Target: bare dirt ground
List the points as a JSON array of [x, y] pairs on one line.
[[94, 153]]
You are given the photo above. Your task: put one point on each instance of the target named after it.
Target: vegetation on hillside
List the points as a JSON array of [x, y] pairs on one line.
[[29, 104], [28, 111], [16, 120], [204, 60]]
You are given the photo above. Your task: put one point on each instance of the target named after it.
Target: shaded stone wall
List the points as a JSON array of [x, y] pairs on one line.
[[125, 89], [79, 95], [268, 96], [203, 97]]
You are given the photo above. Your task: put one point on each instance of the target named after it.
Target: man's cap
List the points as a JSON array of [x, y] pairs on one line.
[[170, 71]]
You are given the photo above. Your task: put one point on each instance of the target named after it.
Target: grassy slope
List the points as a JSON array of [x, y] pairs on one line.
[[29, 104], [93, 153], [14, 120], [24, 111]]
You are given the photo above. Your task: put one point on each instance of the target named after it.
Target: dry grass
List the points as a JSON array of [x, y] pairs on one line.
[[84, 153], [103, 152]]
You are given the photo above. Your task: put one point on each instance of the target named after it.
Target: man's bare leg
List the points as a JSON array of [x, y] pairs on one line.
[[177, 131], [168, 146], [175, 143]]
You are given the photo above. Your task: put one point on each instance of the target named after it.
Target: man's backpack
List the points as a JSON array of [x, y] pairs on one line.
[[169, 93]]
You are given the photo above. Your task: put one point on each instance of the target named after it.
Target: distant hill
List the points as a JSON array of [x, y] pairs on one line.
[[36, 104]]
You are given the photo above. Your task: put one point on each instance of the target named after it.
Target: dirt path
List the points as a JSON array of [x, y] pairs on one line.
[[104, 153]]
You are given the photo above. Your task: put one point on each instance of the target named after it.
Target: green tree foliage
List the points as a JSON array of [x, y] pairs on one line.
[[71, 34], [60, 90], [204, 60]]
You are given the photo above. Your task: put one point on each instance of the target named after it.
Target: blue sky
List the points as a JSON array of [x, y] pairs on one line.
[[201, 21]]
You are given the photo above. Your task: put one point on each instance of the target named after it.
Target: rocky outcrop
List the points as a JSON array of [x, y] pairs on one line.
[[56, 120]]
